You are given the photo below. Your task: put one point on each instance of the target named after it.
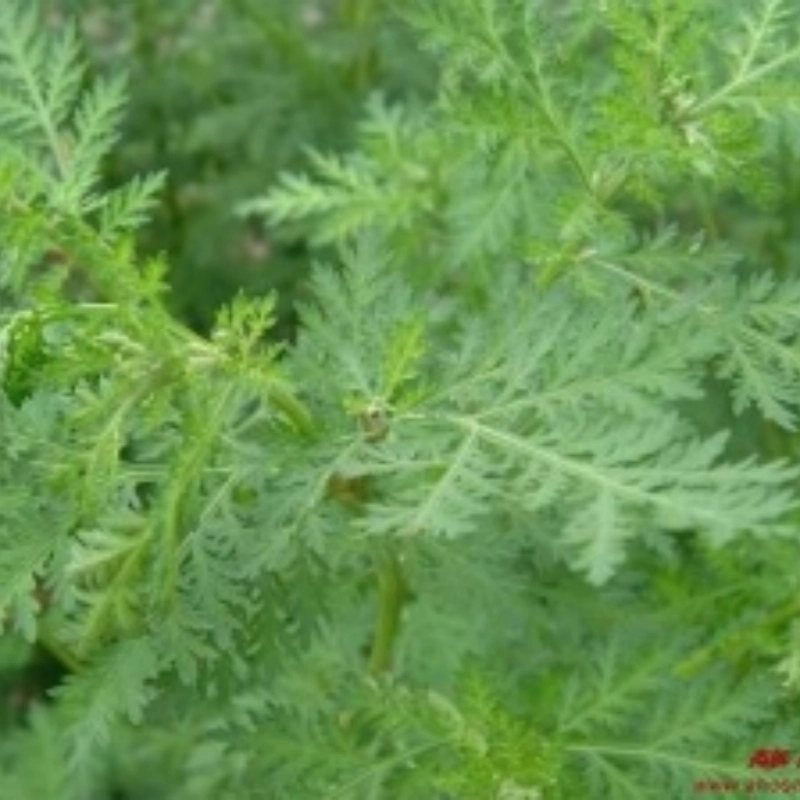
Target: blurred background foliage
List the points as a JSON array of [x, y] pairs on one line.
[[224, 96]]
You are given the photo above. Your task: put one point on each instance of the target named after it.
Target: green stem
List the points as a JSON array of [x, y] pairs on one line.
[[392, 594], [202, 432], [278, 392], [744, 77], [737, 642], [356, 13], [359, 17], [57, 650], [99, 621], [292, 408]]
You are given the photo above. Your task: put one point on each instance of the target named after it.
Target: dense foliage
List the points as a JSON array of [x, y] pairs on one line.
[[498, 499]]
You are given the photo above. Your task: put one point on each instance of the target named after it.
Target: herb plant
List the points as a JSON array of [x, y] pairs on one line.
[[512, 515]]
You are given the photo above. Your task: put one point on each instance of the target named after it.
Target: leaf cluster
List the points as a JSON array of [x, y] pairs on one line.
[[513, 515]]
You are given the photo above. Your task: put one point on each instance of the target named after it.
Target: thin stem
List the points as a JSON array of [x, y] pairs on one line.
[[97, 622], [740, 81], [646, 754], [736, 643], [292, 408], [57, 650], [359, 17], [392, 594], [204, 431], [561, 133], [15, 47]]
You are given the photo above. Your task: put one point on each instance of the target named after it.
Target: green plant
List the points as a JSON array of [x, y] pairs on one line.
[[222, 96], [515, 514]]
